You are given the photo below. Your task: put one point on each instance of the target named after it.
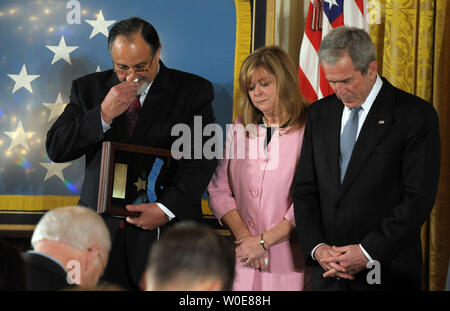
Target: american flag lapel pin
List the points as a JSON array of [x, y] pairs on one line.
[[381, 122]]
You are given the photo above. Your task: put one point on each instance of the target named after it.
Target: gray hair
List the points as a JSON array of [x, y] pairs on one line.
[[74, 225], [348, 40]]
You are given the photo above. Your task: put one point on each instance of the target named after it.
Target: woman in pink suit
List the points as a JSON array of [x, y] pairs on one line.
[[250, 191]]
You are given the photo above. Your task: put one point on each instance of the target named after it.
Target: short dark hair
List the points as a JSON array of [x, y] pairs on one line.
[[193, 252], [131, 26]]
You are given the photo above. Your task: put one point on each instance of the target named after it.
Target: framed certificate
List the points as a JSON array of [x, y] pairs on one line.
[[131, 174]]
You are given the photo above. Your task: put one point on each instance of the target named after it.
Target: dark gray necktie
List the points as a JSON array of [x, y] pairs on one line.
[[348, 139]]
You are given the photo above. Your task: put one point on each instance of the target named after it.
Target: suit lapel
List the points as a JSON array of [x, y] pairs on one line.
[[374, 129], [112, 81], [332, 124], [152, 104]]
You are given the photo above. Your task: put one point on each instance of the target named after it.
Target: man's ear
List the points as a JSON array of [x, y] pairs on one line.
[[158, 53], [372, 71], [93, 254]]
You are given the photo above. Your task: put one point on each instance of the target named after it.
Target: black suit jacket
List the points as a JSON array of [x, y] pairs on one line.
[[174, 97], [44, 274], [388, 191]]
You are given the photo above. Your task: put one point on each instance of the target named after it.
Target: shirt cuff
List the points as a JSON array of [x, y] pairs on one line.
[[166, 211], [104, 124], [366, 254], [314, 249]]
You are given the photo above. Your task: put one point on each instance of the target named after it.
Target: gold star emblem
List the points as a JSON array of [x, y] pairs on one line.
[[140, 184]]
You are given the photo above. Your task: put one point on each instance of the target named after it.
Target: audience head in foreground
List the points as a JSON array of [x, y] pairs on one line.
[[74, 237], [190, 256]]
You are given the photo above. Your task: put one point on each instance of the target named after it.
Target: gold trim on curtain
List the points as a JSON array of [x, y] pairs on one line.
[[35, 202], [270, 22], [243, 44], [410, 54]]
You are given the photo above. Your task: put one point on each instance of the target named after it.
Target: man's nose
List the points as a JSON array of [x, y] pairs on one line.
[[131, 76]]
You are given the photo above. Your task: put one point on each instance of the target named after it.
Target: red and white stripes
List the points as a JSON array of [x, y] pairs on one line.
[[322, 17]]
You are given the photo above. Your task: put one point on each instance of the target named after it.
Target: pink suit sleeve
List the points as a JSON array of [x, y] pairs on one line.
[[221, 198]]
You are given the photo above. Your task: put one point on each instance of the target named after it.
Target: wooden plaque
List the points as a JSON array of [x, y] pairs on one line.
[[131, 174]]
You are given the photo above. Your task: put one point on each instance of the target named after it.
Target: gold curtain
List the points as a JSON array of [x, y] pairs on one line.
[[411, 36], [243, 45]]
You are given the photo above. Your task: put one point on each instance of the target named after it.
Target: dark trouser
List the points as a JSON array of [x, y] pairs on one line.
[[117, 271]]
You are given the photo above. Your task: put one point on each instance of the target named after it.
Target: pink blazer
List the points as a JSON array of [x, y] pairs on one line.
[[258, 184]]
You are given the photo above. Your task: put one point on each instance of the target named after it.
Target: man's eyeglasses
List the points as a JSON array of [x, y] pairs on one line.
[[138, 69]]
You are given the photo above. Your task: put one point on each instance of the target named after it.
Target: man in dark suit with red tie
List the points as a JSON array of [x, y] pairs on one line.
[[367, 176], [104, 106]]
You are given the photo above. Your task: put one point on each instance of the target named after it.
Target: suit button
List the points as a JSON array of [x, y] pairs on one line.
[[254, 192]]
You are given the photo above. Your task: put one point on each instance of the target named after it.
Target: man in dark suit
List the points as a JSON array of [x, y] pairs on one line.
[[70, 246], [367, 176], [44, 273], [101, 108]]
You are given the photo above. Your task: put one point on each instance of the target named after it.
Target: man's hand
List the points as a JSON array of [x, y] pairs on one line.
[[350, 257], [324, 255], [151, 216], [118, 99]]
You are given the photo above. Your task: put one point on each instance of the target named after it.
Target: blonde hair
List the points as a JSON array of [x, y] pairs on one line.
[[292, 104]]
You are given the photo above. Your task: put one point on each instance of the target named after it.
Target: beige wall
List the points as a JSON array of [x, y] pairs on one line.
[[289, 25]]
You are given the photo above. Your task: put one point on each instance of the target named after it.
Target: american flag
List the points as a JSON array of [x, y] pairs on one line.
[[45, 44], [324, 15]]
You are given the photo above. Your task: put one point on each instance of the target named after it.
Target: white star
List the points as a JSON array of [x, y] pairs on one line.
[[62, 51], [19, 137], [98, 69], [55, 169], [331, 3], [55, 109], [100, 25], [23, 79]]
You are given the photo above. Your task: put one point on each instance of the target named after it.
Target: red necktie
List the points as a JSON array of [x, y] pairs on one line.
[[133, 114]]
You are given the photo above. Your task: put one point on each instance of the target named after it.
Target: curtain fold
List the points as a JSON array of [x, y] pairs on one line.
[[410, 37]]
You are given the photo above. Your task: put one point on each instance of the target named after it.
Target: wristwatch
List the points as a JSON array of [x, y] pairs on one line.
[[262, 242]]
